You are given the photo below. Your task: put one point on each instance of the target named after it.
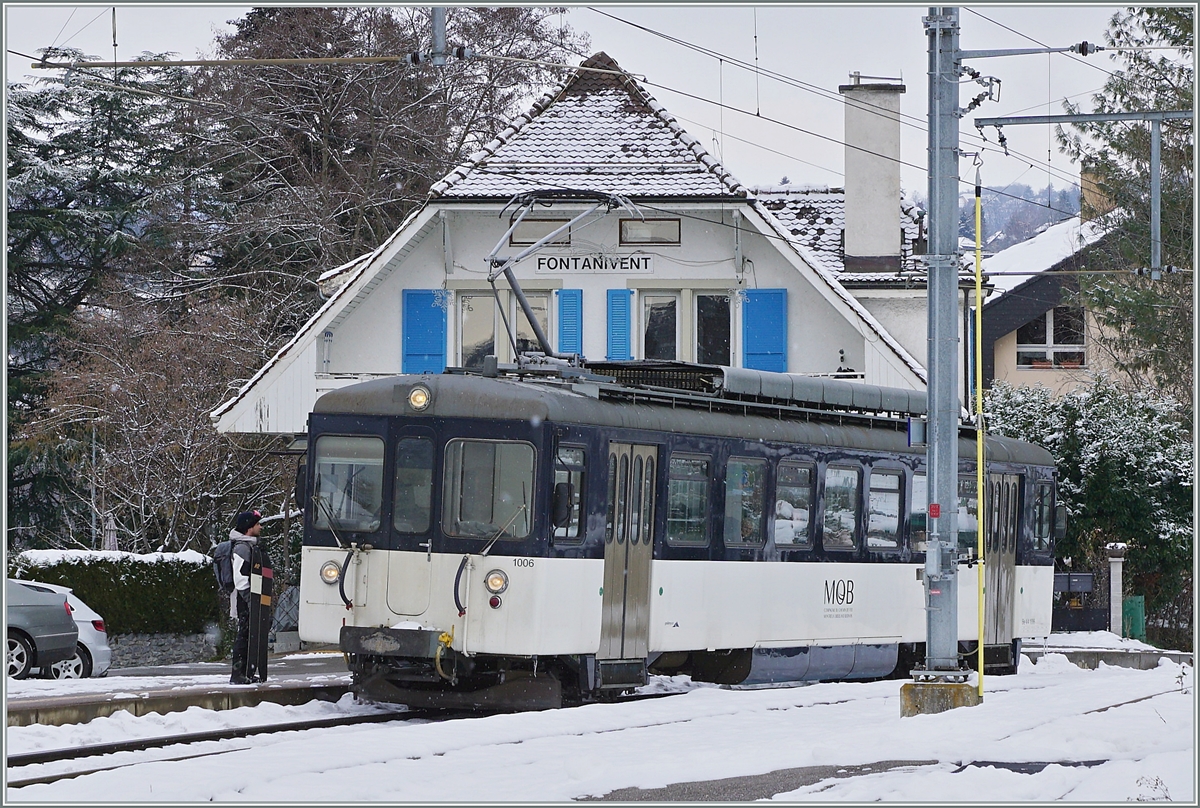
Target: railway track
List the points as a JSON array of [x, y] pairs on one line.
[[43, 757]]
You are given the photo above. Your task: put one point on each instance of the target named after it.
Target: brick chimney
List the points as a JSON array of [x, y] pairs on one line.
[[1093, 202], [872, 235]]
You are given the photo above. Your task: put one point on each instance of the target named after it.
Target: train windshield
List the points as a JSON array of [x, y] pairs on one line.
[[349, 483], [488, 489]]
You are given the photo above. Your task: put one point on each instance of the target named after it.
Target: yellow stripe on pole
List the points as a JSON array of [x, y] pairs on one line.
[[979, 426]]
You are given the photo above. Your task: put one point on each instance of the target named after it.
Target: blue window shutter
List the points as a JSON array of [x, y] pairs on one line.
[[619, 304], [424, 333], [570, 321], [764, 330]]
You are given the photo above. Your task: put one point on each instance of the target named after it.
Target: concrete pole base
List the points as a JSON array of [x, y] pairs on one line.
[[926, 698]]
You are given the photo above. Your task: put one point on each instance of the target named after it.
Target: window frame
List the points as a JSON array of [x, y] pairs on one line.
[[705, 508], [318, 514], [625, 241], [447, 465], [1051, 349], [580, 502], [811, 468], [858, 490], [898, 474], [396, 477], [729, 297], [644, 297], [564, 240], [912, 502], [459, 299], [764, 467]]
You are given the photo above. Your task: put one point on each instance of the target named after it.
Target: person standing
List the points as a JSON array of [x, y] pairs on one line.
[[245, 545]]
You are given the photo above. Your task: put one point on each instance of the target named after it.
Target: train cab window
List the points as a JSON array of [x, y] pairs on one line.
[[793, 505], [918, 506], [414, 484], [349, 483], [883, 511], [488, 489], [569, 468], [968, 516], [841, 508], [1043, 516], [745, 497], [687, 500]]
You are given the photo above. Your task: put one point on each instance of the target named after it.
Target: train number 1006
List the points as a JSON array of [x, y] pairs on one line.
[[522, 562]]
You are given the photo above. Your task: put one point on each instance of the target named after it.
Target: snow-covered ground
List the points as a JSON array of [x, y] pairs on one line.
[[1140, 723]]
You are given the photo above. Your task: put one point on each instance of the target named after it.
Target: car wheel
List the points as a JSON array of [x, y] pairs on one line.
[[20, 656], [77, 667]]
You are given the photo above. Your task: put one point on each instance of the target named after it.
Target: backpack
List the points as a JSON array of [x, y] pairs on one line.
[[222, 561]]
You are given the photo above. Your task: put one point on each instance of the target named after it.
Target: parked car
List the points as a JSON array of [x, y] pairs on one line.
[[41, 629], [92, 657]]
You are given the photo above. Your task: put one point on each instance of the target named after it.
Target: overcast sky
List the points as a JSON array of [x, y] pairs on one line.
[[819, 46]]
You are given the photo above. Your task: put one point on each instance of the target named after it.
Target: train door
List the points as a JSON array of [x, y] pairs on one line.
[[1000, 557], [412, 520], [628, 549]]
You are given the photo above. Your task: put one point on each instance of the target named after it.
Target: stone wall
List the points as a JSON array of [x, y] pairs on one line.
[[139, 650]]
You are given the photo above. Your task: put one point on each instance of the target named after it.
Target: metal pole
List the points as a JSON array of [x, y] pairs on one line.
[[1155, 197], [941, 563], [439, 35]]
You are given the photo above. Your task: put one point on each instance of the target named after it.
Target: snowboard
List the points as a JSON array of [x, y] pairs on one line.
[[262, 585]]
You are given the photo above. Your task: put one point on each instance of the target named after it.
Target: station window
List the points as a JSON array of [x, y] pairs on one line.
[[712, 329], [841, 508], [687, 500], [745, 496], [487, 489], [569, 468], [793, 504], [660, 327], [1053, 339], [539, 302], [530, 231], [918, 506], [649, 231], [883, 511], [477, 328], [349, 483], [413, 486]]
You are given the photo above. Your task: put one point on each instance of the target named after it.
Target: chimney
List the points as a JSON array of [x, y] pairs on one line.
[[872, 236], [1093, 202]]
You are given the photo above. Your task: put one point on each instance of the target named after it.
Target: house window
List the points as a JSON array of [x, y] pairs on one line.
[[1053, 339], [540, 304], [660, 327], [649, 231], [530, 231], [712, 329], [477, 328]]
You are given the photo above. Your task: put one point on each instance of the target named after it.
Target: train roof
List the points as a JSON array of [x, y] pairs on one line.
[[736, 405]]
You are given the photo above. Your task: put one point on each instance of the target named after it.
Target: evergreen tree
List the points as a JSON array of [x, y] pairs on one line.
[[1146, 324]]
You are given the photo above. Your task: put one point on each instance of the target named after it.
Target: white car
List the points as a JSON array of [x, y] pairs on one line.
[[92, 657]]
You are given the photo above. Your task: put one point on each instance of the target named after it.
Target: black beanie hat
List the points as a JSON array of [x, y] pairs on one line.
[[247, 520]]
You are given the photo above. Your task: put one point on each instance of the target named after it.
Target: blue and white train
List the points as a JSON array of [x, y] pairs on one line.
[[517, 538]]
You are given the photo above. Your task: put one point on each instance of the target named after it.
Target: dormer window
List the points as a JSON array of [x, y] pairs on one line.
[[649, 231], [1053, 339]]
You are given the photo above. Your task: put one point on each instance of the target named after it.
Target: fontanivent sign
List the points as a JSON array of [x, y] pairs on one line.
[[622, 264]]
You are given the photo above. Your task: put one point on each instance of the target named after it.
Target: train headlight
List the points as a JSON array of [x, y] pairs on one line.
[[418, 398], [496, 582], [330, 572]]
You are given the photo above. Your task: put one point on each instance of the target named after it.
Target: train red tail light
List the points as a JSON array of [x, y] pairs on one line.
[[494, 601]]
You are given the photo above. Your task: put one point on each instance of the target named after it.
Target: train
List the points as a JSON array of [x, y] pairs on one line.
[[529, 536]]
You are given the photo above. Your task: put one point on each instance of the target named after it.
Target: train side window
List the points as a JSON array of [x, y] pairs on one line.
[[1042, 517], [349, 483], [841, 508], [883, 511], [569, 467], [918, 506], [687, 500], [745, 496], [488, 489], [793, 504], [1014, 508], [968, 516], [610, 523], [414, 484], [635, 512]]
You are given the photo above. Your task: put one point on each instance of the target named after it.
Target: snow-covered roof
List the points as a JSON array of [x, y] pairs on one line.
[[814, 217], [1021, 263], [599, 131]]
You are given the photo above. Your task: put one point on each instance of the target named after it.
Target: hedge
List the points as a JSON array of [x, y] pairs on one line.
[[158, 593]]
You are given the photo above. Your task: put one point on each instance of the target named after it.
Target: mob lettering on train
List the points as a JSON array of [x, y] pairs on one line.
[[839, 592]]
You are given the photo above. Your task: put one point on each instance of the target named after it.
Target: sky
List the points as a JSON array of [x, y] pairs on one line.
[[1140, 723], [757, 134]]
